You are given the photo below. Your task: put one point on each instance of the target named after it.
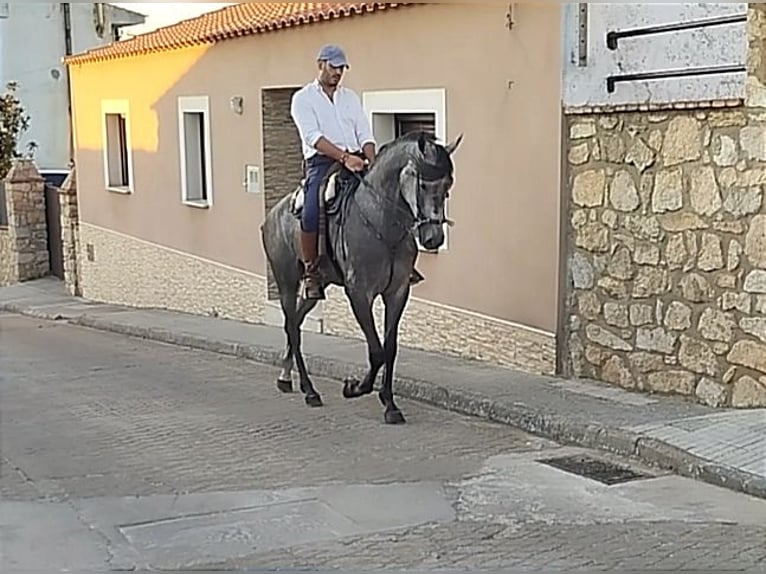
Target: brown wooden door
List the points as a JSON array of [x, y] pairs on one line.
[[53, 221]]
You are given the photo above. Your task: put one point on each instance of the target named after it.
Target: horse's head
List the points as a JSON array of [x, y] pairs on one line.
[[425, 183]]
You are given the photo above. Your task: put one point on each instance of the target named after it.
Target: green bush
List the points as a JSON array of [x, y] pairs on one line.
[[13, 123]]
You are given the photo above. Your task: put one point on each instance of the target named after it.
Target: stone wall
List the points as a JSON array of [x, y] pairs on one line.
[[9, 267], [24, 243], [8, 263], [667, 252], [451, 331], [114, 269], [70, 233]]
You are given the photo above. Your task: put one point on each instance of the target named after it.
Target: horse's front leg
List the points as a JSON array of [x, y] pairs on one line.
[[361, 304], [305, 306], [395, 303], [293, 320]]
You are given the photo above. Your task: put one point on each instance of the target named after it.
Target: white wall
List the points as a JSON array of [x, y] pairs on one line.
[[32, 44], [719, 45]]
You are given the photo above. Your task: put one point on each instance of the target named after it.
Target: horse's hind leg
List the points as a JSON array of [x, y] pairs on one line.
[[294, 317], [285, 380]]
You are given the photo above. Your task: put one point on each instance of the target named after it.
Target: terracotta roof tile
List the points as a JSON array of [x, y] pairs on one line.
[[243, 19]]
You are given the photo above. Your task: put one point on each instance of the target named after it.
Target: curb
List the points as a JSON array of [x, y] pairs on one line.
[[654, 452]]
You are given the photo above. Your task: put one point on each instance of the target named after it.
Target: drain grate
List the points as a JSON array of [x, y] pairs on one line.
[[601, 470]]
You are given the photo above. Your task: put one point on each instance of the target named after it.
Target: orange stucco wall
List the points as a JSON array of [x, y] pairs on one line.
[[503, 92]]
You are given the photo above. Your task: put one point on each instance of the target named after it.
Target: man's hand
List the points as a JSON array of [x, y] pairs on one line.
[[354, 163]]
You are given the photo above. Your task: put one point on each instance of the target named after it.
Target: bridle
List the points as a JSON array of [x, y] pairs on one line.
[[418, 219]]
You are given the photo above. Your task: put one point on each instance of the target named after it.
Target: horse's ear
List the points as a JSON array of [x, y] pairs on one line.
[[422, 143], [454, 145]]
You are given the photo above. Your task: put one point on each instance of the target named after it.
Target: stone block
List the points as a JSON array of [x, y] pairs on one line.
[[741, 302], [711, 393], [668, 191], [748, 354], [614, 371], [711, 254], [752, 140], [579, 154], [734, 255], [640, 155], [704, 195], [678, 316], [716, 325], [606, 338], [755, 326], [755, 281], [747, 392], [649, 281], [593, 237], [682, 142], [725, 152], [697, 356], [695, 288], [623, 194], [589, 187], [656, 339], [755, 242], [672, 381], [675, 222], [582, 129], [742, 201]]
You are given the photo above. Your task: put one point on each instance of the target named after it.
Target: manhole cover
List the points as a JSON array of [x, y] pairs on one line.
[[601, 470]]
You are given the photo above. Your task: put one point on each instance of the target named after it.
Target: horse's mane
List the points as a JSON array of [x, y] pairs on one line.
[[441, 167]]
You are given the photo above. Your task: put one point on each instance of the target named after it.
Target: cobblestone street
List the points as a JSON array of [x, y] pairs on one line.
[[122, 453]]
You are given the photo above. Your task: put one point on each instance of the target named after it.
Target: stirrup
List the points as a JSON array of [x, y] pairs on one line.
[[316, 294], [317, 291]]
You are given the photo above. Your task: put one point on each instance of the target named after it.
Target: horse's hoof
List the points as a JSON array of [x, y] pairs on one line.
[[394, 418], [285, 386], [314, 400], [351, 388]]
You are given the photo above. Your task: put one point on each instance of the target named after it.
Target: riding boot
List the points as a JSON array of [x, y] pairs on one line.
[[416, 277], [312, 282]]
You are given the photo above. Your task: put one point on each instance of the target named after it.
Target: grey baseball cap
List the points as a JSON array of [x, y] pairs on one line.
[[334, 55]]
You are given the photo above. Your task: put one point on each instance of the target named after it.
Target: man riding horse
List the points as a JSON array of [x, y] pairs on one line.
[[333, 128]]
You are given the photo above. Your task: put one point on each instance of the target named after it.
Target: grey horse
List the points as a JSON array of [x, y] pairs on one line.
[[370, 248]]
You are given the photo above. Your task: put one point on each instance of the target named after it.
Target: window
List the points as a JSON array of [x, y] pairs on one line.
[[118, 170], [405, 123], [393, 113], [194, 139]]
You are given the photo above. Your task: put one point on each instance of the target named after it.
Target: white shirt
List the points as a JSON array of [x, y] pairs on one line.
[[341, 121]]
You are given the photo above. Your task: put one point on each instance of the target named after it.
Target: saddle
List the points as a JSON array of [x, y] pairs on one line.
[[336, 184]]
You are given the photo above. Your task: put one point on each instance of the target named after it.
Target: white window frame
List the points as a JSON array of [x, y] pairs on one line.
[[122, 107], [381, 107], [195, 104]]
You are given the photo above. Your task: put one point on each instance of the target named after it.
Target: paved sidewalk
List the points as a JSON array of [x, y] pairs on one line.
[[722, 447]]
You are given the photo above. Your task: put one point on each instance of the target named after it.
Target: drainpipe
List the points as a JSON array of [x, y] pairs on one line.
[[66, 7]]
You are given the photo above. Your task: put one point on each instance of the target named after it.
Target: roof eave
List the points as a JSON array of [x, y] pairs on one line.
[[101, 55]]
